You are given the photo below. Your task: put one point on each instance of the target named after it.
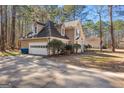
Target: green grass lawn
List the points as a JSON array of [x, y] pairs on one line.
[[93, 58], [105, 56], [10, 53]]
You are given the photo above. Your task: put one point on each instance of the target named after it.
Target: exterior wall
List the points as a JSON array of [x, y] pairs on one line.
[[25, 43], [66, 41], [39, 28], [81, 40], [70, 34], [59, 29], [82, 36], [70, 31]]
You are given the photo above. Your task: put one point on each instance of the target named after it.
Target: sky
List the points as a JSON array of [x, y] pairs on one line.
[[92, 15]]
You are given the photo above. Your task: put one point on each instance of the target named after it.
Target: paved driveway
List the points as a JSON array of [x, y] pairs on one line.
[[35, 71]]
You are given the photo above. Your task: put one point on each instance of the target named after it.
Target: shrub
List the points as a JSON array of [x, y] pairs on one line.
[[56, 46], [87, 46], [104, 47], [76, 47], [69, 47]]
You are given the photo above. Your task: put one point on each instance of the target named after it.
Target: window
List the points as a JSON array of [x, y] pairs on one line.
[[38, 46], [77, 33], [63, 31]]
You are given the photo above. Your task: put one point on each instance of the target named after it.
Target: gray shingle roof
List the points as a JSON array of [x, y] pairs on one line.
[[50, 30]]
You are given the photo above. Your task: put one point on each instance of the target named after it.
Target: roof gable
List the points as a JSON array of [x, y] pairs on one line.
[[50, 30], [72, 24]]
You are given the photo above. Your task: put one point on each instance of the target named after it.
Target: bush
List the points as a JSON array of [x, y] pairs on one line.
[[56, 46], [76, 47], [87, 46], [69, 47], [104, 47]]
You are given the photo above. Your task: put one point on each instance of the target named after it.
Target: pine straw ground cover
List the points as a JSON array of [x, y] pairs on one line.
[[105, 60], [10, 53]]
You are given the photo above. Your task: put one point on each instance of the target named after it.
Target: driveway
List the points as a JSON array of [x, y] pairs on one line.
[[37, 72]]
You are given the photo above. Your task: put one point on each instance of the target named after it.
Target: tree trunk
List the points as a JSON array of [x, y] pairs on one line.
[[0, 28], [5, 35], [2, 31], [25, 27], [9, 29], [13, 26], [100, 28], [22, 32], [19, 27], [111, 29]]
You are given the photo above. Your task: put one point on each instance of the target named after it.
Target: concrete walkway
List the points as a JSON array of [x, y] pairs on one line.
[[37, 72]]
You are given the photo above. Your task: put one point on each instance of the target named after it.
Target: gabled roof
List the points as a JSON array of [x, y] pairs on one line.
[[40, 23], [29, 35], [71, 23], [50, 30]]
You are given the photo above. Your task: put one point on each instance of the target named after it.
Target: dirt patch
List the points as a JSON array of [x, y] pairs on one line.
[[100, 60]]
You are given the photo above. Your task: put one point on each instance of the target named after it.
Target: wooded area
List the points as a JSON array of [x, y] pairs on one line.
[[17, 21]]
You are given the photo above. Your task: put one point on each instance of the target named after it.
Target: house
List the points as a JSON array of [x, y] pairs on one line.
[[68, 32]]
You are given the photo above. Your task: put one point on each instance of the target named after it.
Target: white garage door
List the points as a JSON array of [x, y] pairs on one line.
[[38, 48]]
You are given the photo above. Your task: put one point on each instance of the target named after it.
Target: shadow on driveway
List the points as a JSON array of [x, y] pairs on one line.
[[37, 72]]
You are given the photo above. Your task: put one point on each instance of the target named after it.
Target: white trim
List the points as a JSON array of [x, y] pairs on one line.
[[77, 34], [63, 30], [35, 38], [60, 38]]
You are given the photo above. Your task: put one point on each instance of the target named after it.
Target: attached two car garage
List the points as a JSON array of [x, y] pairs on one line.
[[37, 46]]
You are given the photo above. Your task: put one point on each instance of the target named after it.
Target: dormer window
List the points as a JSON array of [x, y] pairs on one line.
[[63, 31]]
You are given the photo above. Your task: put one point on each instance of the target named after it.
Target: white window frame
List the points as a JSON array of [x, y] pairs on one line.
[[63, 31], [77, 34]]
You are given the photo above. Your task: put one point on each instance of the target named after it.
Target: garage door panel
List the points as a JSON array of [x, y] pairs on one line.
[[38, 48], [38, 51]]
